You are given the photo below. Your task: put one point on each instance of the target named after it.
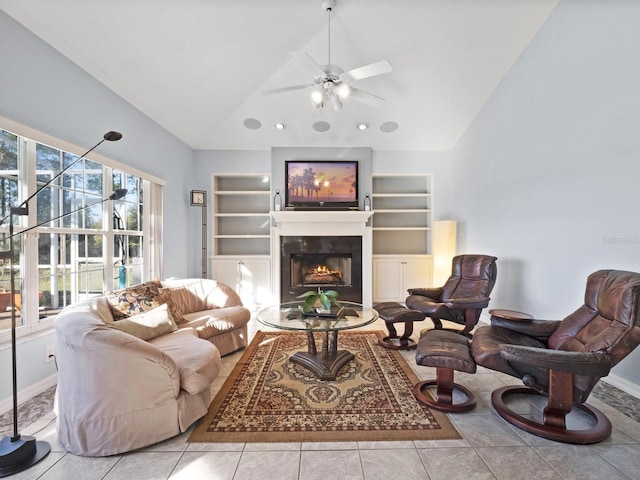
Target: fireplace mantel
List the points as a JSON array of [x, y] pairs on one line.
[[323, 223], [316, 223]]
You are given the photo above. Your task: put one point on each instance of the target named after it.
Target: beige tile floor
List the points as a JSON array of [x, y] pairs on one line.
[[490, 449]]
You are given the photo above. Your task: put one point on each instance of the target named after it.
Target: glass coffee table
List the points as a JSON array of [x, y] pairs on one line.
[[325, 363]]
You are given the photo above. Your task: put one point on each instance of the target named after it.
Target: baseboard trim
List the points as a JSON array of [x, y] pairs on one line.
[[626, 386], [29, 392]]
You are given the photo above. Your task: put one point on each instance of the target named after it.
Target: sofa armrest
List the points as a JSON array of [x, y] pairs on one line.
[[103, 372], [198, 360]]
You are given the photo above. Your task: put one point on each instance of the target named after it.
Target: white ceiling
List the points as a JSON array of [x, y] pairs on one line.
[[198, 67]]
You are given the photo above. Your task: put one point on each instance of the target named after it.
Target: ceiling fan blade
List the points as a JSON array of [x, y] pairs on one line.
[[285, 89], [370, 70], [309, 61], [365, 97]]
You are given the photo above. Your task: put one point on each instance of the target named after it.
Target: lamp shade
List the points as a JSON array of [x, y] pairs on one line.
[[444, 249], [118, 194]]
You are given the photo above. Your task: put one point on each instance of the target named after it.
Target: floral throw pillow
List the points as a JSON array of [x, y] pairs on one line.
[[135, 300]]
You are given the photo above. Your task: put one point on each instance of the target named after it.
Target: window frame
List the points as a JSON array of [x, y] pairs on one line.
[[29, 267]]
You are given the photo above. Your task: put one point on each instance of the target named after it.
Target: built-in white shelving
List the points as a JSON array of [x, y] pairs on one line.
[[402, 234], [241, 222], [402, 220], [241, 235]]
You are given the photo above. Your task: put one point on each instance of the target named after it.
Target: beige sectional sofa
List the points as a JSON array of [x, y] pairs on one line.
[[135, 366]]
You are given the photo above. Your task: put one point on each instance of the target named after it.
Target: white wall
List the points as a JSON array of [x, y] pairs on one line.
[[546, 177]]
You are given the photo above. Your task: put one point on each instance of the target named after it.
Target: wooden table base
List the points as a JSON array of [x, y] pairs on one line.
[[326, 363]]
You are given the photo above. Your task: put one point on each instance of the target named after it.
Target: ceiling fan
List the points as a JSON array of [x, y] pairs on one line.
[[331, 84]]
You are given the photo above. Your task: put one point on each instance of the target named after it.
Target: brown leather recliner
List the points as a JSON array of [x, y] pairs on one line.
[[463, 296], [563, 360]]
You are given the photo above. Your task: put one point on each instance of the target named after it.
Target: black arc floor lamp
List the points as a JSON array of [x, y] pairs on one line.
[[17, 452]]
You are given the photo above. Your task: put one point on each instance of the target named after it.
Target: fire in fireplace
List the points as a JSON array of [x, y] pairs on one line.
[[318, 270], [321, 262]]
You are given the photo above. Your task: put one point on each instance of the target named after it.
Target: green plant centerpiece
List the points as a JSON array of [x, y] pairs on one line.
[[319, 301]]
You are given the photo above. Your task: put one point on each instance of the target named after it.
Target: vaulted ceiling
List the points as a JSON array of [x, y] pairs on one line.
[[198, 68]]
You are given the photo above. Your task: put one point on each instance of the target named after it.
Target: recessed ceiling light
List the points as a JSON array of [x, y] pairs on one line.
[[252, 123], [280, 126], [388, 127], [362, 125], [321, 126]]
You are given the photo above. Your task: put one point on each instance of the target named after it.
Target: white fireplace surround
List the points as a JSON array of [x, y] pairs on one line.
[[324, 223]]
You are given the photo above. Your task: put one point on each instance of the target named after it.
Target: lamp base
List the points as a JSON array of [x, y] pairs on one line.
[[20, 453]]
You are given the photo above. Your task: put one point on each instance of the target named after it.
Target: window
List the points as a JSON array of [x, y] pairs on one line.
[[79, 242]]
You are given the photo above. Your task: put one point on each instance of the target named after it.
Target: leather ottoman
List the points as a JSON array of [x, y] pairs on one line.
[[447, 351], [393, 312]]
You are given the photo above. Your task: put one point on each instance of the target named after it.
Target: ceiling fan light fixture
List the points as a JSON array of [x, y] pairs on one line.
[[331, 84], [317, 97], [343, 90]]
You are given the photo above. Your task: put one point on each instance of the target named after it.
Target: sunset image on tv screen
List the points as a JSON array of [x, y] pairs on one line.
[[321, 182]]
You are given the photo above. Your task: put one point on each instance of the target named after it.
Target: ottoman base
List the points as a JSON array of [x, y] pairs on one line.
[[391, 313], [447, 351]]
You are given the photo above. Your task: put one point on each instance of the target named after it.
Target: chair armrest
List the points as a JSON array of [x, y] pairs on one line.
[[597, 364], [539, 329], [426, 292], [474, 302]]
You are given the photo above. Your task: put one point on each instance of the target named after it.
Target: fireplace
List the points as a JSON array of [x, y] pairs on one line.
[[313, 270], [327, 263], [342, 239]]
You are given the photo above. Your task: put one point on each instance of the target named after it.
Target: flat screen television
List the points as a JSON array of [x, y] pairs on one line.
[[321, 184]]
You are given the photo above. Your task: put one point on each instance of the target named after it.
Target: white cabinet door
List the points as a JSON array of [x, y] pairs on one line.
[[394, 274], [255, 282], [388, 280], [226, 271], [418, 273], [249, 277]]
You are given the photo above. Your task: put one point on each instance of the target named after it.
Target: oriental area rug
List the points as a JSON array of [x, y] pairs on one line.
[[267, 398]]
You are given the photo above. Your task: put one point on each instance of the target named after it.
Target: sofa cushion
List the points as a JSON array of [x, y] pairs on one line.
[[198, 361], [182, 300], [148, 325], [135, 300], [209, 323]]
